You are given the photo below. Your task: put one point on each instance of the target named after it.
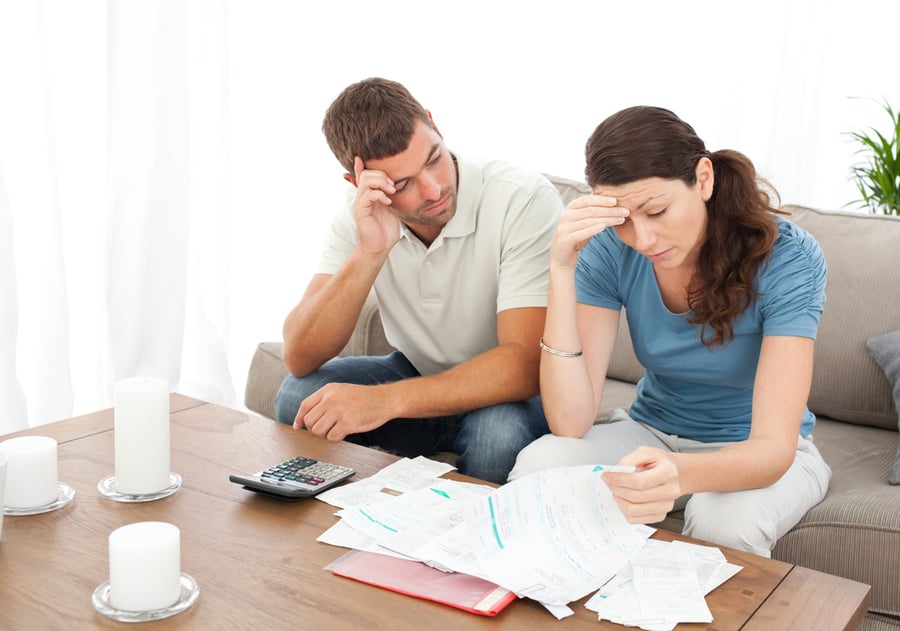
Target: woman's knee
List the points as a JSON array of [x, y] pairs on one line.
[[727, 519], [551, 451]]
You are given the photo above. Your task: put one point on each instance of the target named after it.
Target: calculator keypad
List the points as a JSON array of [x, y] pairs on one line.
[[304, 472]]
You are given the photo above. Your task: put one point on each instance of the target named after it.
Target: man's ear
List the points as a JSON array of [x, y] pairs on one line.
[[351, 179], [705, 178]]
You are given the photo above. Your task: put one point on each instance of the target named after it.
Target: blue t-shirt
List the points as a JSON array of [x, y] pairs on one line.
[[688, 389]]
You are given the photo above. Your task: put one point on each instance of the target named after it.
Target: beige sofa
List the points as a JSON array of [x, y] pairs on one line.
[[855, 531]]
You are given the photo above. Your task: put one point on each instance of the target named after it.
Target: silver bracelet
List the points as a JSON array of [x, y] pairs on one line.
[[553, 351]]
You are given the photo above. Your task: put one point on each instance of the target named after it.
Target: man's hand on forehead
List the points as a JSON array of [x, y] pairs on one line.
[[373, 178]]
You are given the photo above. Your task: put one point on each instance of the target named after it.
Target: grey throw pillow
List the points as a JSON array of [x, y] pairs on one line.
[[885, 350]]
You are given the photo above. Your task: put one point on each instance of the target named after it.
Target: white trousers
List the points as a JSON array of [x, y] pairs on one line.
[[751, 520]]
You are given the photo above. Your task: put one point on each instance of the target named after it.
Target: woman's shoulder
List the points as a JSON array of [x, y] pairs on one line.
[[794, 241], [796, 257]]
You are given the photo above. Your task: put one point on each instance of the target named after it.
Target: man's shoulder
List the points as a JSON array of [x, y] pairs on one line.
[[506, 173], [513, 173], [506, 184]]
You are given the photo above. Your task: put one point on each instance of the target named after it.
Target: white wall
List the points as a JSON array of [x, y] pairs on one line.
[[528, 81], [516, 79]]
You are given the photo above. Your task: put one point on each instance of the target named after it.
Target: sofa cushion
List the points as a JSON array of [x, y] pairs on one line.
[[861, 301], [368, 336], [885, 350], [854, 531]]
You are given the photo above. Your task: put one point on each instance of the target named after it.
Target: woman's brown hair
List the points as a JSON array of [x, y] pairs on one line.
[[643, 142]]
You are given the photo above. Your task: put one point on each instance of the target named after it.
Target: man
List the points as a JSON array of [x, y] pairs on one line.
[[457, 254]]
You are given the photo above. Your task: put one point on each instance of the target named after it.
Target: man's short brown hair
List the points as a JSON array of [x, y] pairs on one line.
[[374, 118]]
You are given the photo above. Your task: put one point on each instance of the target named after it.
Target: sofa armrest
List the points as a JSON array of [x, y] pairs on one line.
[[267, 369]]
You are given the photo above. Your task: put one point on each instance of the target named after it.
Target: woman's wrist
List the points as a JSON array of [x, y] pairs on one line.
[[556, 352]]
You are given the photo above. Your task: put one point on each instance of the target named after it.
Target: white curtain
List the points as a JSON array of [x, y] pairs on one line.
[[164, 183], [168, 209]]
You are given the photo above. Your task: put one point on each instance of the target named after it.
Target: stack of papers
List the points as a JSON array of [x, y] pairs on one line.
[[554, 536], [662, 585]]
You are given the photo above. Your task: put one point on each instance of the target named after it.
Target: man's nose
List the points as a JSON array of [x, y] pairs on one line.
[[431, 188]]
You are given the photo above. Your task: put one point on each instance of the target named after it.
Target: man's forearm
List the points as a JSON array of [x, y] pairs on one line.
[[321, 324], [503, 374]]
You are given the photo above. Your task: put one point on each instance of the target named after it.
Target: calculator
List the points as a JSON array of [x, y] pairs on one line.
[[295, 478]]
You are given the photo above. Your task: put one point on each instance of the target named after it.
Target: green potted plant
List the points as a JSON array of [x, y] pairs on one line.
[[877, 174]]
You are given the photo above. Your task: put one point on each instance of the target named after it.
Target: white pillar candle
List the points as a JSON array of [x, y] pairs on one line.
[[31, 471], [142, 435], [144, 566]]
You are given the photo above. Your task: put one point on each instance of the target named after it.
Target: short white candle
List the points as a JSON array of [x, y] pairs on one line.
[[144, 566], [142, 435], [31, 471]]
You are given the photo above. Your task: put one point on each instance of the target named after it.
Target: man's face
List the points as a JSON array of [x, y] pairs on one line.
[[424, 177]]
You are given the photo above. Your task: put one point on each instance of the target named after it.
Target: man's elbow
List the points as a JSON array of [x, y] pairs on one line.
[[298, 363], [295, 369]]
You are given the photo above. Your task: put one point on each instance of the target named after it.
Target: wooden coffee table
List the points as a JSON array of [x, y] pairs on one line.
[[258, 564]]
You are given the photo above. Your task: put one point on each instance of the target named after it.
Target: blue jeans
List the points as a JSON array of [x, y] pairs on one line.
[[486, 440]]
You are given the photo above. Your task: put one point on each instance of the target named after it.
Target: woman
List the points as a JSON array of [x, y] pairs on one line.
[[723, 298]]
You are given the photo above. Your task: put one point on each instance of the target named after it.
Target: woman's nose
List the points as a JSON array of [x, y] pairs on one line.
[[644, 237]]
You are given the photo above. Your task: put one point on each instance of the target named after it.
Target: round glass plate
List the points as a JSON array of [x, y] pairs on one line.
[[65, 495], [107, 488], [189, 592]]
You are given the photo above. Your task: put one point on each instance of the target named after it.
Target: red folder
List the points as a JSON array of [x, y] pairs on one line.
[[414, 578]]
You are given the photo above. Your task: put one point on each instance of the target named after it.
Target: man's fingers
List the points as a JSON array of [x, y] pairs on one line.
[[372, 179]]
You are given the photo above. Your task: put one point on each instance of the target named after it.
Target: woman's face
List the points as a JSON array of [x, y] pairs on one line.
[[667, 218]]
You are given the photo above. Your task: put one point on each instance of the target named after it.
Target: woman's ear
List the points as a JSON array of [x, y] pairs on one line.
[[705, 177]]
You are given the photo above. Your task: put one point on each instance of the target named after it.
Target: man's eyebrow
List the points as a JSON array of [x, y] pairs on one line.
[[431, 153]]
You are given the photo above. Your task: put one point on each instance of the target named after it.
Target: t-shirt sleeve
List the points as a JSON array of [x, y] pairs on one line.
[[340, 239], [792, 286], [524, 265], [597, 271]]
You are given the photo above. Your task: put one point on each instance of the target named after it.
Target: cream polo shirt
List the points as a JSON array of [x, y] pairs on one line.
[[439, 304]]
